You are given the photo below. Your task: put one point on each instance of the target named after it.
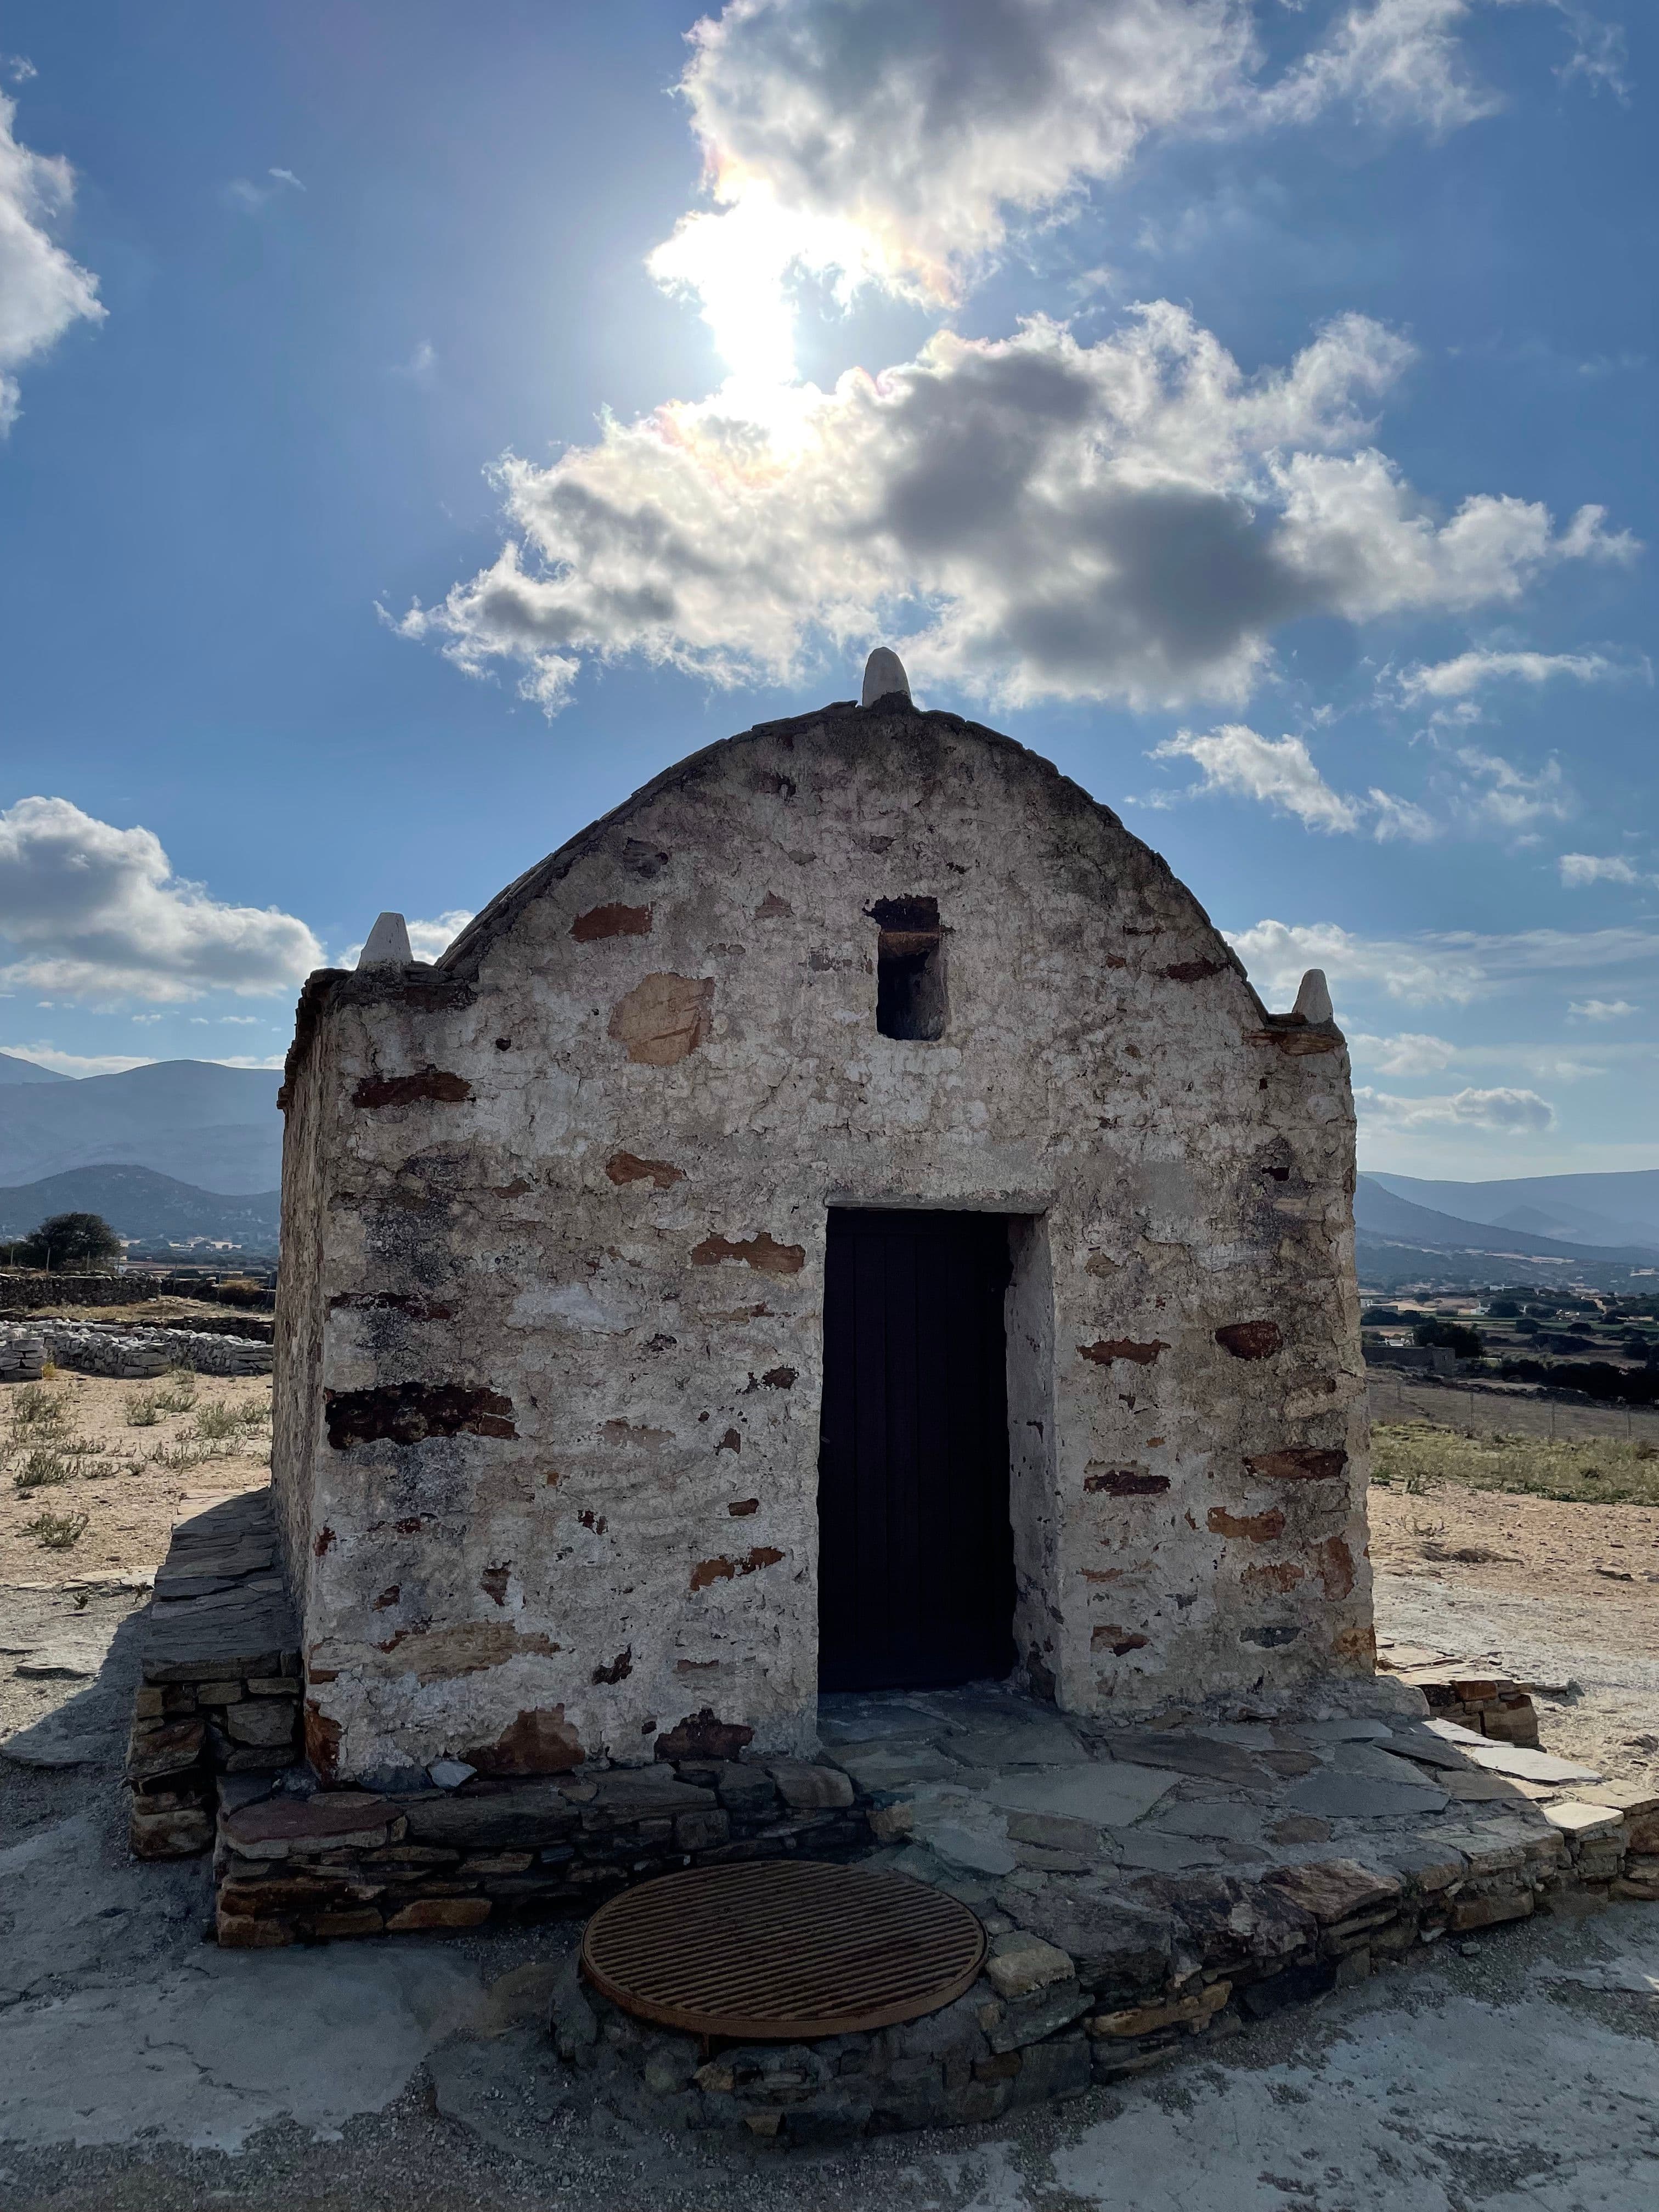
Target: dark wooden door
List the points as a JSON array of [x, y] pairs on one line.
[[915, 1554]]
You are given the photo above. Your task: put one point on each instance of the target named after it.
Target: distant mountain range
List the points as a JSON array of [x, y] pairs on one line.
[[1592, 1210], [139, 1203], [216, 1128], [1398, 1240]]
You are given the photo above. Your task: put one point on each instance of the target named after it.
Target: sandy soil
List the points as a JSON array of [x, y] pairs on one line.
[[129, 1502], [1528, 1547]]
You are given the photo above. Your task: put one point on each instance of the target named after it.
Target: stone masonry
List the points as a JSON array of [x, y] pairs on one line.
[[549, 1355]]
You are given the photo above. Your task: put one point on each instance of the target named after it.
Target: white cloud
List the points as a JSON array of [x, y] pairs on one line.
[[95, 913], [42, 291], [1602, 1010], [1444, 966], [1408, 1054], [1392, 817], [1279, 771], [897, 145], [429, 938], [1511, 800], [248, 1059], [77, 1063], [1423, 972], [1042, 506], [1457, 678], [252, 198], [420, 368], [1509, 1112], [1580, 868]]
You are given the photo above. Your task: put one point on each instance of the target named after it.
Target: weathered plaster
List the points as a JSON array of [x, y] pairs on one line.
[[555, 1223]]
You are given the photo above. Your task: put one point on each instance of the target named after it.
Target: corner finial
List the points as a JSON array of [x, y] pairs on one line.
[[884, 677], [387, 943], [1313, 1000]]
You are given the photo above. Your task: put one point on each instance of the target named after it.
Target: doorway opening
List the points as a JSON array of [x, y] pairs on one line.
[[915, 1548]]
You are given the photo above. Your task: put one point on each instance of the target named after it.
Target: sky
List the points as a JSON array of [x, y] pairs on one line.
[[420, 425]]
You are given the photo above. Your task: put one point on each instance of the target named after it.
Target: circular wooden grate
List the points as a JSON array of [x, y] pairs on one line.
[[781, 1951]]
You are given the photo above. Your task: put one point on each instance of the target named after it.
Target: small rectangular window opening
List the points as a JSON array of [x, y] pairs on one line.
[[910, 999]]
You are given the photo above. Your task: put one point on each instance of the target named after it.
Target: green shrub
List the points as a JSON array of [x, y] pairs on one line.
[[58, 1531], [42, 1469], [34, 1406]]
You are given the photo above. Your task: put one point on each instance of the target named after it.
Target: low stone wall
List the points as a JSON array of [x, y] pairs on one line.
[[219, 1688], [22, 1354], [1153, 1969], [144, 1354], [344, 1862], [21, 1291]]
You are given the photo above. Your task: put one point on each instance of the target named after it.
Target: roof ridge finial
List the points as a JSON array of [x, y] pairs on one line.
[[387, 945], [884, 678]]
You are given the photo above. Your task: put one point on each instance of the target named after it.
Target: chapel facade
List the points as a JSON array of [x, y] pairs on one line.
[[845, 1220]]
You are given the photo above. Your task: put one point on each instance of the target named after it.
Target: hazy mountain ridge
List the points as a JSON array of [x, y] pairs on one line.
[[14, 1069], [214, 1129], [136, 1202], [1617, 1207], [1382, 1215]]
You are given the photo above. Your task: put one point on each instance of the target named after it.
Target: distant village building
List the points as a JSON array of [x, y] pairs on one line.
[[844, 1220]]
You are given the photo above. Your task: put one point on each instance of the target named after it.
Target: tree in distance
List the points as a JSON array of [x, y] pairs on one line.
[[70, 1243], [1465, 1342]]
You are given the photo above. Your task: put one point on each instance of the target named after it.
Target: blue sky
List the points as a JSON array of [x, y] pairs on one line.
[[429, 423]]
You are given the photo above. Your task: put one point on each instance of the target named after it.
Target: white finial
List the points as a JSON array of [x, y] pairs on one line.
[[1313, 1000], [883, 677], [387, 943]]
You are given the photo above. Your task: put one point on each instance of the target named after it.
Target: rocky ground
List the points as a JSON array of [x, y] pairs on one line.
[[142, 2066]]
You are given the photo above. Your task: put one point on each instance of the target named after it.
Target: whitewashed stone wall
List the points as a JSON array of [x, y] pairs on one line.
[[549, 1343]]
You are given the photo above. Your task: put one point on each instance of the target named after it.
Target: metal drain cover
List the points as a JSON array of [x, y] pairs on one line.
[[780, 1951]]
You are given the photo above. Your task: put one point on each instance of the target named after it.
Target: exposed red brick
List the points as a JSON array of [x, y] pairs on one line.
[[538, 1742], [1118, 1641], [322, 1737], [1126, 1482], [618, 1671], [1250, 1340], [778, 1378], [1192, 971], [1334, 1562], [1255, 1527], [763, 1253], [389, 1596], [723, 1571], [740, 1508], [388, 1301], [404, 1412], [494, 1580], [1107, 1349], [700, 1734], [627, 1167], [322, 1542], [730, 1442], [1279, 1575], [1298, 1463], [611, 921], [430, 1085]]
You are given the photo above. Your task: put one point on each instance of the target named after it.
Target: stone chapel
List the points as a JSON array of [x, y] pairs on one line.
[[844, 1220]]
